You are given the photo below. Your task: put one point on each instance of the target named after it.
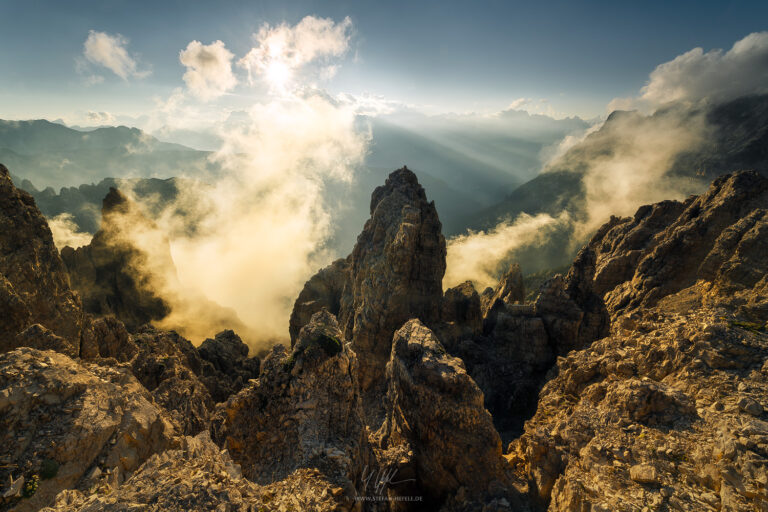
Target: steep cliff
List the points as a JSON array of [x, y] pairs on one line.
[[34, 286]]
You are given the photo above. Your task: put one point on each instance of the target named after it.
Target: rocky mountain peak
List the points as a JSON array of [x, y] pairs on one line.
[[393, 274], [114, 274], [114, 201], [396, 272], [402, 182]]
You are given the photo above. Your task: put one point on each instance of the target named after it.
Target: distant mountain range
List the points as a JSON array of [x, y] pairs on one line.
[[50, 154], [736, 138], [467, 163], [459, 160]]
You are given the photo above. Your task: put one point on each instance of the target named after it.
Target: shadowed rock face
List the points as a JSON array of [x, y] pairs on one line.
[[509, 349], [436, 413], [111, 272], [323, 290], [34, 287], [509, 290], [303, 412], [230, 368]]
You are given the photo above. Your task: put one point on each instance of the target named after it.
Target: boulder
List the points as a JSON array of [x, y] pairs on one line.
[[62, 421], [436, 413], [323, 290], [170, 367], [230, 368]]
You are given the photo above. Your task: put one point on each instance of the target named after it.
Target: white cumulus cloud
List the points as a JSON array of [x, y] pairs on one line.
[[111, 52], [209, 69], [282, 51], [100, 117], [716, 75]]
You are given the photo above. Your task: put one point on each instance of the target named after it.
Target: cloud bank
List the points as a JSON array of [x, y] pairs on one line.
[[481, 256], [66, 232], [715, 75], [250, 237]]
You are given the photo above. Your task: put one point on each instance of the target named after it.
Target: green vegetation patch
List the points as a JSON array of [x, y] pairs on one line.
[[30, 488], [330, 344], [289, 363], [749, 326], [49, 469]]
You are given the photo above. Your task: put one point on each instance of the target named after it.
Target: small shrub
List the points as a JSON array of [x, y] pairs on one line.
[[749, 326], [30, 488], [330, 344], [48, 469], [289, 363]]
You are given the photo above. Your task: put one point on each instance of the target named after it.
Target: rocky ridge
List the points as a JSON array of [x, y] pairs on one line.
[[72, 424], [635, 381], [668, 411]]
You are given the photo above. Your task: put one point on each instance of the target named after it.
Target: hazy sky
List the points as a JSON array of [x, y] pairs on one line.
[[443, 56]]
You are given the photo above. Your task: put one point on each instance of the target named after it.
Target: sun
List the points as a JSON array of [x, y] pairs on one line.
[[278, 74]]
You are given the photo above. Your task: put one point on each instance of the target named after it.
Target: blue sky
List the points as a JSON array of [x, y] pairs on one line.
[[445, 56]]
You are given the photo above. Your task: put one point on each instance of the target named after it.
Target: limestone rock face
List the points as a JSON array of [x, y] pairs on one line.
[[667, 411], [61, 420], [510, 289], [230, 368], [170, 367], [653, 409], [304, 412], [717, 238], [396, 272], [324, 290], [436, 413], [194, 477], [112, 272], [34, 287]]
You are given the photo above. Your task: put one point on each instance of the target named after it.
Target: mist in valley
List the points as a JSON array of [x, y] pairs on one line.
[[257, 200]]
